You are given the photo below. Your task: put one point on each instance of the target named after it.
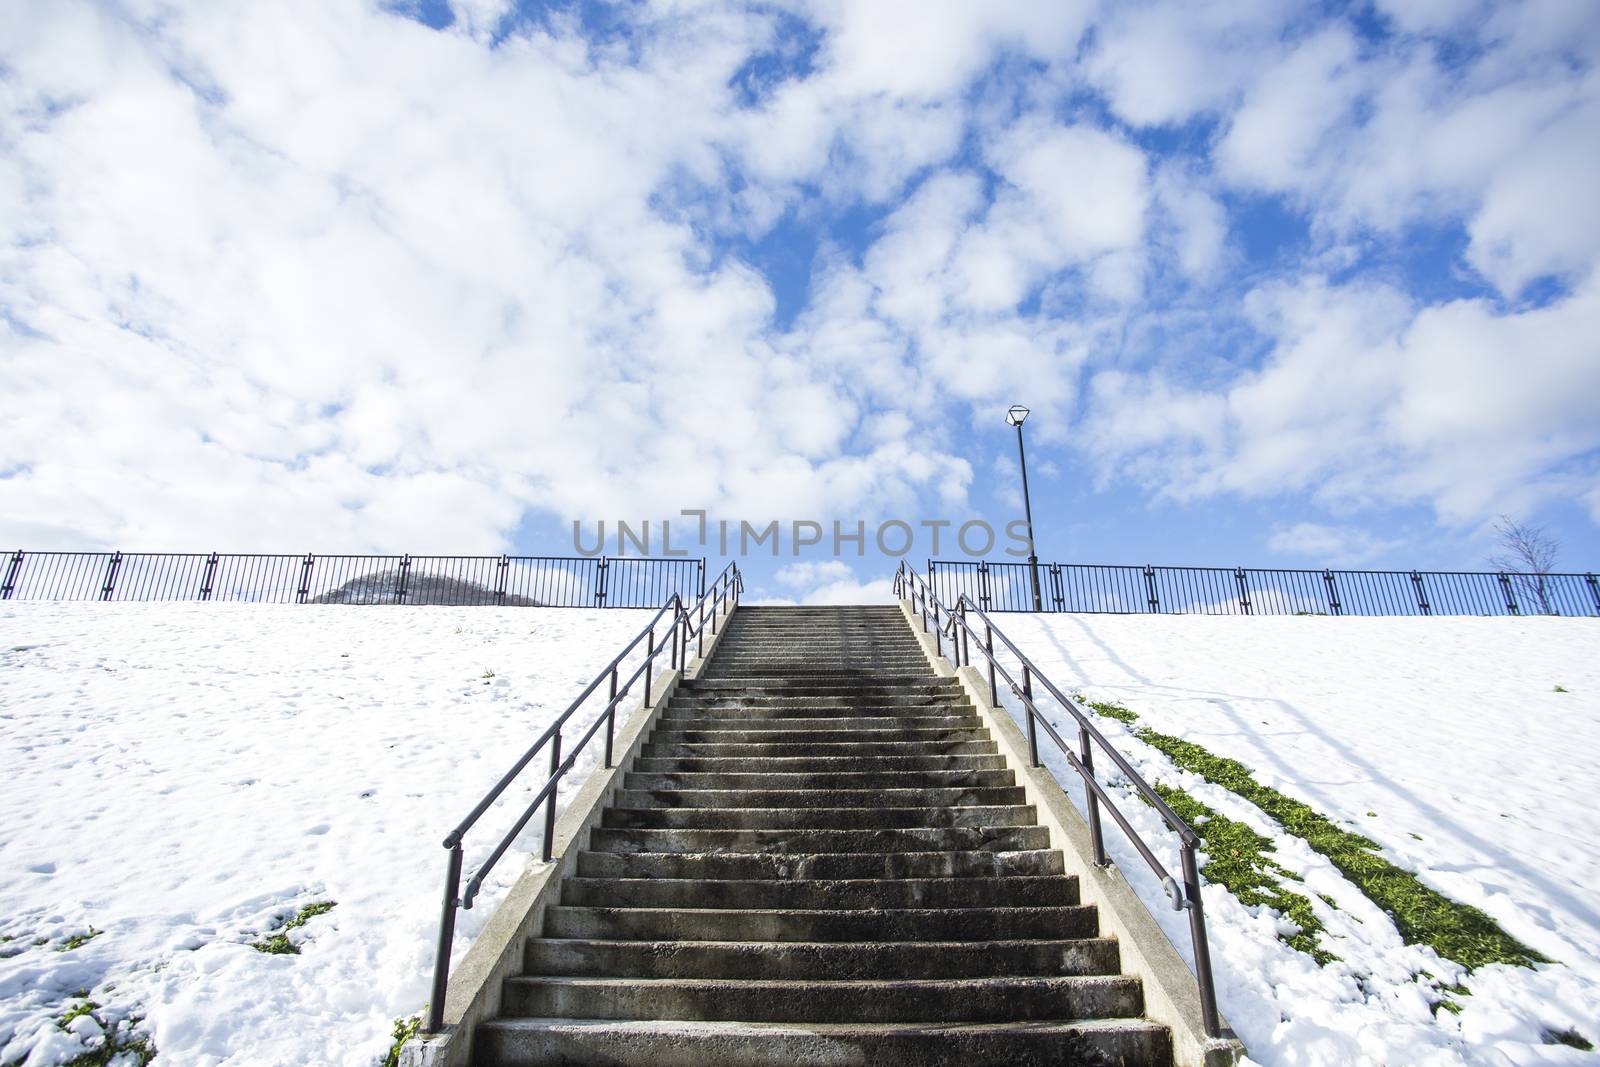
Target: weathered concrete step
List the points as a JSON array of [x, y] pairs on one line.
[[824, 723], [820, 959], [903, 685], [807, 842], [816, 798], [813, 658], [667, 1043], [935, 779], [867, 1001], [856, 703], [933, 864], [818, 894], [890, 924], [797, 677], [804, 765], [670, 733], [654, 749], [804, 818]]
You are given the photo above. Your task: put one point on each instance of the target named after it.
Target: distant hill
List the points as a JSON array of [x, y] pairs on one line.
[[378, 587]]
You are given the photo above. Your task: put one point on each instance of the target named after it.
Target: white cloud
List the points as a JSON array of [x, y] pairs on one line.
[[1330, 545], [828, 582]]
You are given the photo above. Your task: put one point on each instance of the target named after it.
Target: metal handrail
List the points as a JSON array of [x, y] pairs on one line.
[[727, 587], [909, 585]]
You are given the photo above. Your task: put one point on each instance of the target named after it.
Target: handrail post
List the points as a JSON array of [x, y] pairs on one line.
[[1202, 948], [966, 652], [988, 647], [447, 934], [1033, 726], [677, 663], [611, 715], [1096, 835], [649, 664], [548, 848]]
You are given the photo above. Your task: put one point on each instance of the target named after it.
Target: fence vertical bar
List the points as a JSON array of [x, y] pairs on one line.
[[1033, 726], [1511, 600], [447, 934], [1202, 947], [1422, 596], [1333, 592], [1096, 835], [1150, 589], [109, 587], [548, 848], [16, 564]]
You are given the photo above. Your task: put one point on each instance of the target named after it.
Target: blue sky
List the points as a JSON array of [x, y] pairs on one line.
[[1284, 284]]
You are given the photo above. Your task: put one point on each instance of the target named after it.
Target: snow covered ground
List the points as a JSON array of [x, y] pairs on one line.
[[1446, 741], [183, 777]]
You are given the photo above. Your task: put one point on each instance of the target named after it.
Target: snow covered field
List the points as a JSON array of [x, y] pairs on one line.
[[1446, 741], [183, 777]]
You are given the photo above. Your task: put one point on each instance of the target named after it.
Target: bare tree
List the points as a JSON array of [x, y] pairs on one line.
[[1528, 554]]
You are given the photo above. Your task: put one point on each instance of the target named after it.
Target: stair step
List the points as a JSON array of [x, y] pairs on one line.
[[759, 924], [667, 1043], [807, 819], [820, 959], [821, 723], [818, 749], [867, 1001], [925, 779], [816, 798], [800, 842], [1012, 892], [928, 864], [670, 734], [810, 765]]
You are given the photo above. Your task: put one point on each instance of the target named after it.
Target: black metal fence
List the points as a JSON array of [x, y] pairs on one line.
[[526, 581], [1250, 591]]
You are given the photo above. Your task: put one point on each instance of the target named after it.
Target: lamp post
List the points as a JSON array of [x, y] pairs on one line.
[[1015, 416]]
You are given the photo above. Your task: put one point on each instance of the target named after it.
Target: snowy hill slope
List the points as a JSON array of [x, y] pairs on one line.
[[183, 778], [1444, 740]]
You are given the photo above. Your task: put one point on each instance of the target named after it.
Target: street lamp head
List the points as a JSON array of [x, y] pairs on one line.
[[1016, 414]]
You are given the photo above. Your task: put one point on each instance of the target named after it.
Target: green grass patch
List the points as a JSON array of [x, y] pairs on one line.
[[1240, 860], [404, 1030], [278, 944], [1570, 1038], [120, 1038], [1561, 689], [79, 940], [1456, 931]]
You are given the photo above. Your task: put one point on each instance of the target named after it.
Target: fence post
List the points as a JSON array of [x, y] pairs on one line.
[[983, 583], [700, 584], [1244, 591], [1055, 587], [1150, 589], [1422, 596], [305, 579], [400, 582], [600, 581], [503, 570], [109, 587], [1333, 592], [1511, 600], [208, 577], [1594, 591], [16, 565]]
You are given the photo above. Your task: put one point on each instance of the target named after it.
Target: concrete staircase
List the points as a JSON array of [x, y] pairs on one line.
[[819, 858]]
